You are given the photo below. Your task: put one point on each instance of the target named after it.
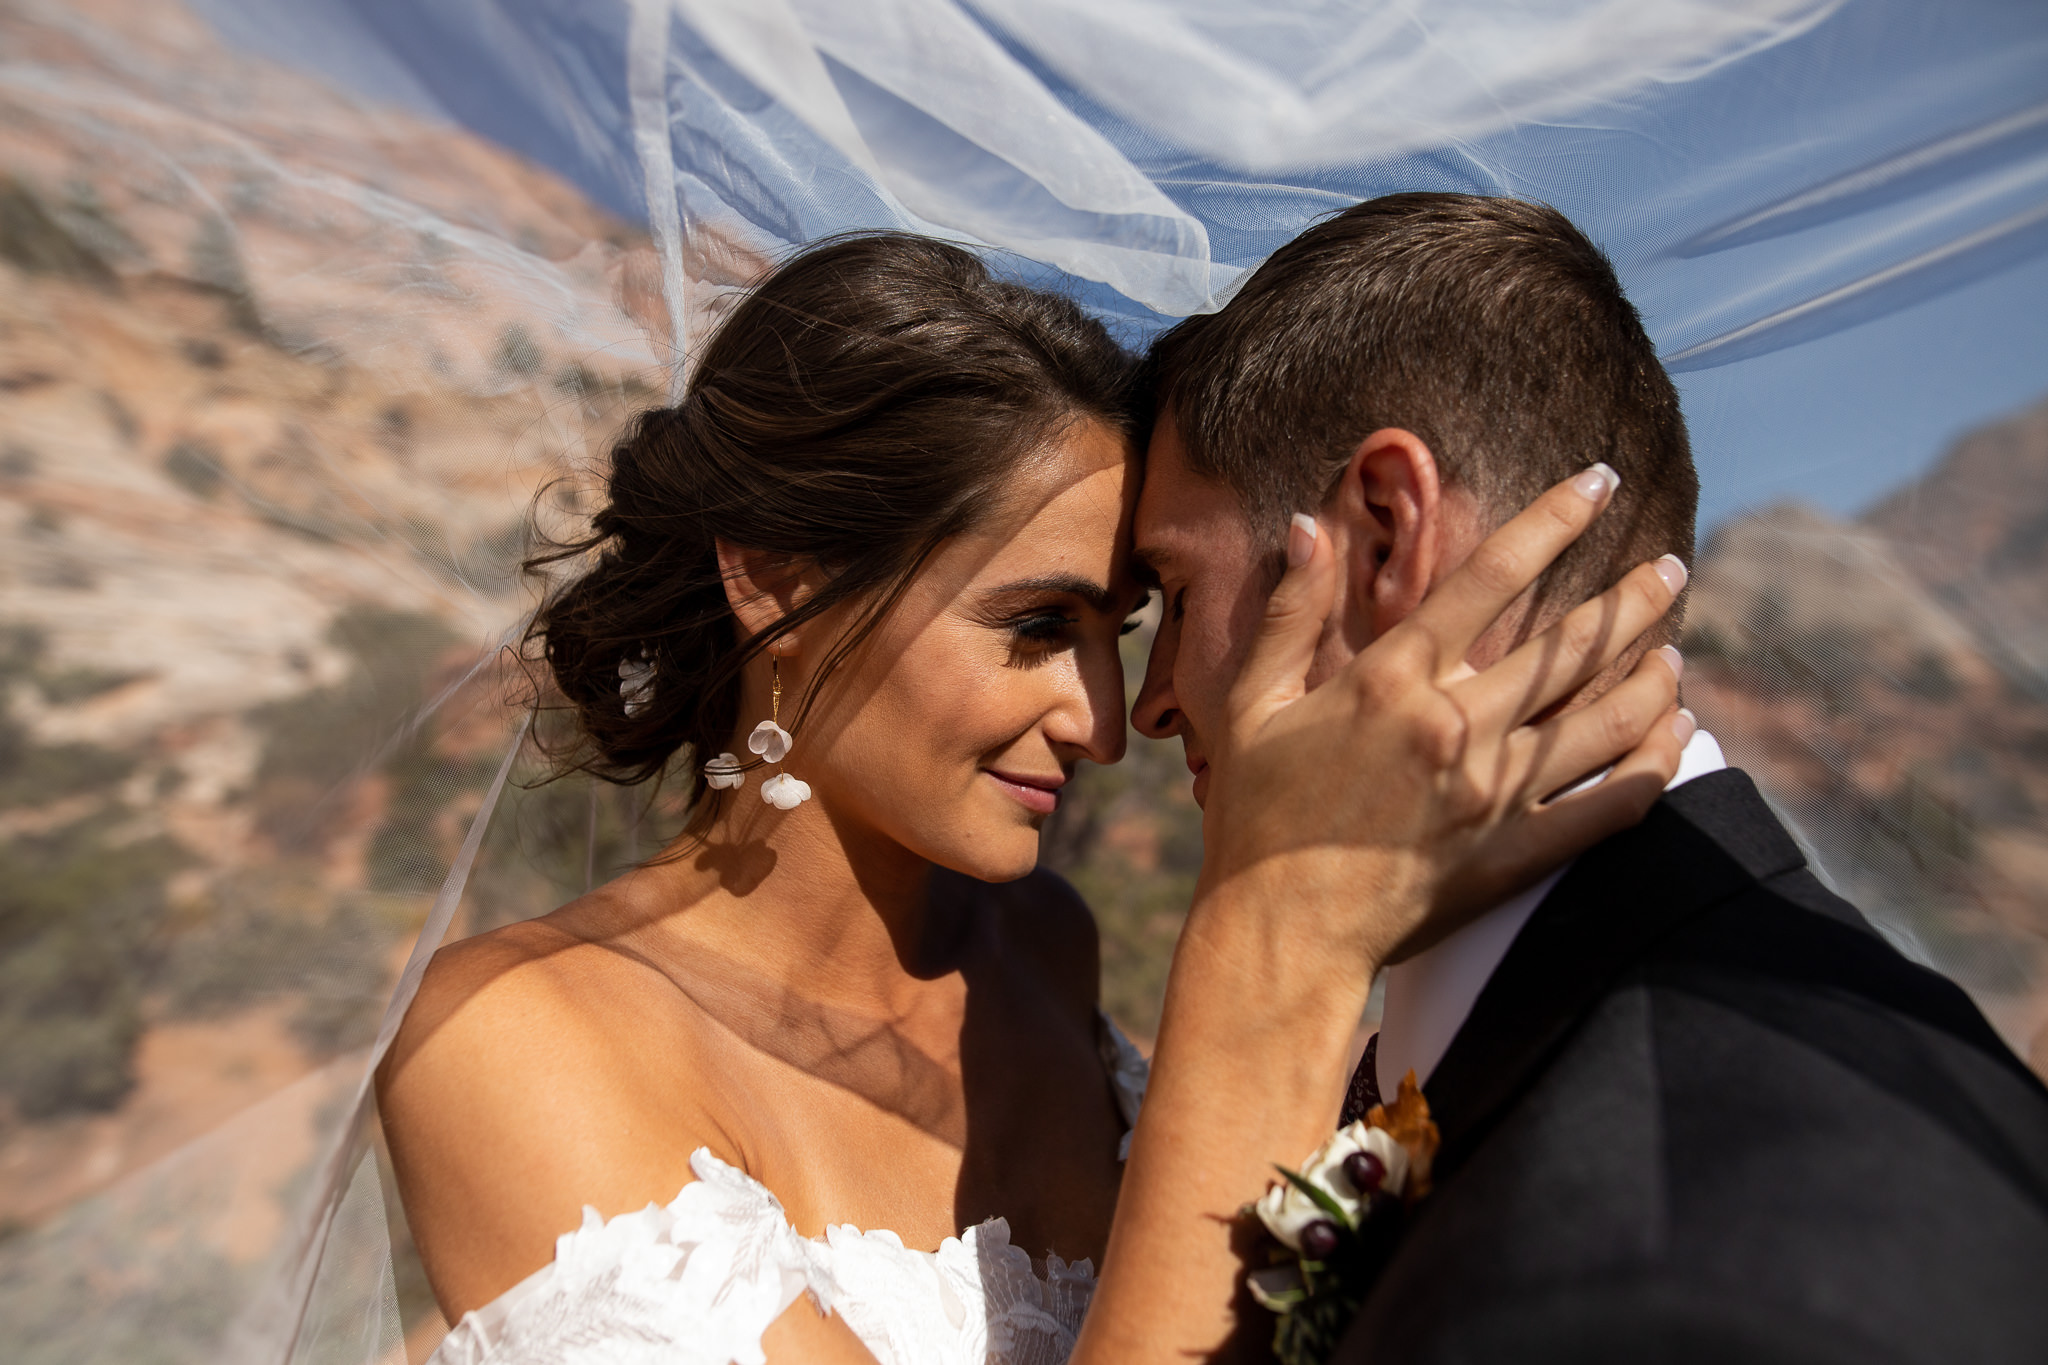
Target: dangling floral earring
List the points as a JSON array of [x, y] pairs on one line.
[[772, 743]]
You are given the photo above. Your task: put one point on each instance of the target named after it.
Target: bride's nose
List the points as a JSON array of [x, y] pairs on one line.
[[1089, 715]]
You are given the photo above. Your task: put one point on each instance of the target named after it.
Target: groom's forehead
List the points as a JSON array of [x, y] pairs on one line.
[[1184, 520]]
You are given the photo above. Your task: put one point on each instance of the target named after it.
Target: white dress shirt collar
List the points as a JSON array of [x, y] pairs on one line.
[[1429, 996]]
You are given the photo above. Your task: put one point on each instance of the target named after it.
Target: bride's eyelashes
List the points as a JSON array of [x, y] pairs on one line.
[[1043, 616], [1136, 616], [1035, 637], [1043, 627], [1039, 632], [1052, 624]]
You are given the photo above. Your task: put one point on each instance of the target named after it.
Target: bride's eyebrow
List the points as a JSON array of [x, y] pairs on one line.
[[1095, 594]]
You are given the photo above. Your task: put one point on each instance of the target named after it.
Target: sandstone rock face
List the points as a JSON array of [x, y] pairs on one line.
[[1884, 681], [1975, 530], [287, 383], [1793, 574]]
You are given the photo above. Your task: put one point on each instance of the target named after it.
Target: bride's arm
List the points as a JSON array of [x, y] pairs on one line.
[[1313, 879]]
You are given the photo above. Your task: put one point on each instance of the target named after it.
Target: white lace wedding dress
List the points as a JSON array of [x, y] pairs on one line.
[[697, 1282]]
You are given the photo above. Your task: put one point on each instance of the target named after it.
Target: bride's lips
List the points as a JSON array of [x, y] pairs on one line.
[[1038, 794], [1200, 768]]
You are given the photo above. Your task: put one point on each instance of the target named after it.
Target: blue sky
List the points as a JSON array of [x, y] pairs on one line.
[[1835, 421], [1841, 421]]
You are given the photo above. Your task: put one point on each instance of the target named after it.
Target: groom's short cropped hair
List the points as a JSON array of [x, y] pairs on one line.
[[1492, 328]]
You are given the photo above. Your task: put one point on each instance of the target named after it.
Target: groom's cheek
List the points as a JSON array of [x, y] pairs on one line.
[[1333, 651], [1247, 611]]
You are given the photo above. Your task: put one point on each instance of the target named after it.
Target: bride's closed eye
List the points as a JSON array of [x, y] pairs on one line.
[[1038, 629], [1043, 612], [1045, 627], [1039, 634]]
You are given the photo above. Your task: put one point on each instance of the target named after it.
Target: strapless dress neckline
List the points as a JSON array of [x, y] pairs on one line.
[[696, 1282]]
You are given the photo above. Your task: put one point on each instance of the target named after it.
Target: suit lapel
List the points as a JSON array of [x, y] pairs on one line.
[[1699, 845]]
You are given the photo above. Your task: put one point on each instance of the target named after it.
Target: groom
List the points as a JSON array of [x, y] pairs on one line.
[[1692, 1107]]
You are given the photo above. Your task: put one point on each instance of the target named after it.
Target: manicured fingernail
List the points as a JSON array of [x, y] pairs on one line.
[[1674, 658], [1598, 481], [1684, 724], [1672, 570], [1301, 540]]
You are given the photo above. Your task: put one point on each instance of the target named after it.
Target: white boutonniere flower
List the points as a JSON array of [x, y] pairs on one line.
[[1380, 1167], [771, 742], [724, 771], [785, 792], [1335, 1221]]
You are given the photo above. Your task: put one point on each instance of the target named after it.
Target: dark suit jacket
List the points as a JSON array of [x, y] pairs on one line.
[[1702, 1112]]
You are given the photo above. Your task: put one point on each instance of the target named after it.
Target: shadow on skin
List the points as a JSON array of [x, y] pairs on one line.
[[740, 867], [1038, 1141]]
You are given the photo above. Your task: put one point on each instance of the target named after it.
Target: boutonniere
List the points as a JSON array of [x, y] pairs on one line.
[[1333, 1223]]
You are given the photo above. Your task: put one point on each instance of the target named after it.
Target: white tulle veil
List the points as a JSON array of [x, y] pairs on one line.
[[328, 292]]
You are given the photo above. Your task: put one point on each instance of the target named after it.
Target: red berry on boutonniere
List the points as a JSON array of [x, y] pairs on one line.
[[1336, 1219]]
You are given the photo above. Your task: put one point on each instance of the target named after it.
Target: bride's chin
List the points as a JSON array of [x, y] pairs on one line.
[[1000, 854], [1008, 872]]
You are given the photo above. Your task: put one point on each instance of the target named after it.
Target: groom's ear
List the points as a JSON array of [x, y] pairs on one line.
[[762, 588], [1387, 512]]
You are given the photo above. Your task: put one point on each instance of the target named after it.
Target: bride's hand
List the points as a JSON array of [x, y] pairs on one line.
[[1344, 827], [1406, 793]]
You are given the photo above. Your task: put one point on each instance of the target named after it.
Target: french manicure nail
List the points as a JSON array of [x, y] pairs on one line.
[[1597, 481], [1673, 658], [1684, 724], [1301, 540], [1672, 570]]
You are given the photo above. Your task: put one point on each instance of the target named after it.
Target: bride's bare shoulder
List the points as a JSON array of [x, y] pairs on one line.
[[538, 1072], [560, 1007], [502, 988]]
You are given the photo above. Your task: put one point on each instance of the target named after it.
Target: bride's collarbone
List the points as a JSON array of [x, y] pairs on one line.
[[1030, 1133], [1023, 1128], [848, 1115]]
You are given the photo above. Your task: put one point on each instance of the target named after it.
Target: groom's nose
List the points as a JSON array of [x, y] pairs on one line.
[[1157, 711]]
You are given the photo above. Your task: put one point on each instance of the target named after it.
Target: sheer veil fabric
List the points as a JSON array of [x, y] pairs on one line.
[[316, 297]]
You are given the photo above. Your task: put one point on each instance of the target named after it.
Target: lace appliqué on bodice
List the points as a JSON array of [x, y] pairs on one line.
[[691, 1284], [697, 1282]]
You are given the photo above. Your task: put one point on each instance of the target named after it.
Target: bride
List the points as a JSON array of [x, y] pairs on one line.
[[838, 1048]]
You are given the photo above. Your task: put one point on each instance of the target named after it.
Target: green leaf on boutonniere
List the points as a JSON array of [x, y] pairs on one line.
[[1318, 1196]]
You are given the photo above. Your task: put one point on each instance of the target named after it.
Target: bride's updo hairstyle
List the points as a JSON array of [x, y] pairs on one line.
[[870, 398]]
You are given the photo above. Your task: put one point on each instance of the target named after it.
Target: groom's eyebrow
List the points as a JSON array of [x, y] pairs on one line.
[[1095, 594]]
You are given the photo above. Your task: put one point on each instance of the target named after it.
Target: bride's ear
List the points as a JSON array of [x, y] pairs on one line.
[[1388, 508], [764, 588]]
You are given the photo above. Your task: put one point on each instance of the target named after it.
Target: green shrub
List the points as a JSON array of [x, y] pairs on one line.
[[272, 933], [79, 931], [34, 774]]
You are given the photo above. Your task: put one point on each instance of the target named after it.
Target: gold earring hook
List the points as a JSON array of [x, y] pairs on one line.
[[774, 690]]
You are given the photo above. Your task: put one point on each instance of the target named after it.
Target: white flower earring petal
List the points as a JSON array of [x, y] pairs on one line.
[[770, 741], [785, 792], [724, 771]]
